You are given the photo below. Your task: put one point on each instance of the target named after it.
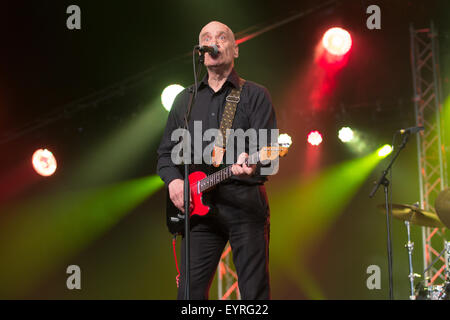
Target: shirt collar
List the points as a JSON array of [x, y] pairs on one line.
[[233, 78]]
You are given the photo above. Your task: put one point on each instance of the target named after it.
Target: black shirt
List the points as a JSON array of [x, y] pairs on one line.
[[254, 110]]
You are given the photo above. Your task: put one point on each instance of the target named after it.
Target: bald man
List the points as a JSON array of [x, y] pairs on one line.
[[239, 206]]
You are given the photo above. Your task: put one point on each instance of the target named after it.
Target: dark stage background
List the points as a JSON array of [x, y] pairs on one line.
[[92, 96]]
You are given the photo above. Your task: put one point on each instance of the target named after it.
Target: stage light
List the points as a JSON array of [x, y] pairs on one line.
[[43, 232], [284, 139], [44, 162], [169, 94], [384, 151], [346, 134], [337, 41], [315, 138]]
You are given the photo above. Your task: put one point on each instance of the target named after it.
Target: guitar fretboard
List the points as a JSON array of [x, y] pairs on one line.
[[221, 175]]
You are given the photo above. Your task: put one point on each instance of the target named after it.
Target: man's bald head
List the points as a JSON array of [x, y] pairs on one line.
[[216, 25]]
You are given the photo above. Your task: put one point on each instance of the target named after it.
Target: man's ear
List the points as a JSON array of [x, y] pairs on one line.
[[236, 52]]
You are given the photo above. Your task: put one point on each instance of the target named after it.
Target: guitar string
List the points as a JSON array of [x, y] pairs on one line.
[[220, 175]]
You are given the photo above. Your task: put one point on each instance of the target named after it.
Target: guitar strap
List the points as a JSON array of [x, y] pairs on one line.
[[226, 122]]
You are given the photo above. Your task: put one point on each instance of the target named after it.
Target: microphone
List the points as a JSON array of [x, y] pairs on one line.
[[411, 130], [212, 50]]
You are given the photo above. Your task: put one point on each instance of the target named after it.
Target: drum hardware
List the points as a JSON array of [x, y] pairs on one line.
[[421, 292], [446, 290], [436, 292], [434, 261], [415, 215], [411, 214], [410, 247]]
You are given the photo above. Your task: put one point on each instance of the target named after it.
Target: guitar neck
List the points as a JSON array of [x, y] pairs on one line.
[[221, 175]]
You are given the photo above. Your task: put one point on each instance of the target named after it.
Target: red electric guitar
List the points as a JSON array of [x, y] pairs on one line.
[[200, 183]]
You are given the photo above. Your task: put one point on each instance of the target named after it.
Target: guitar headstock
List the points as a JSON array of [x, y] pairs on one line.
[[271, 153], [284, 141]]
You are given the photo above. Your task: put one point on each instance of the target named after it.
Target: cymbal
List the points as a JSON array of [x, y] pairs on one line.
[[414, 215], [442, 206]]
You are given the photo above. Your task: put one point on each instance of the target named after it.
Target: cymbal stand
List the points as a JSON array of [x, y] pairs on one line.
[[410, 247]]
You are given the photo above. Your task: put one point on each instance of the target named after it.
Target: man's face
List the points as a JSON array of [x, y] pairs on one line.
[[219, 34]]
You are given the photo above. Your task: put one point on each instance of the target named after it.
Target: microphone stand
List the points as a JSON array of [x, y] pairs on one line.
[[187, 190], [385, 182]]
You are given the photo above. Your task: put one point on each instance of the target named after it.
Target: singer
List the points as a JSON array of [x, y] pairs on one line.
[[240, 206]]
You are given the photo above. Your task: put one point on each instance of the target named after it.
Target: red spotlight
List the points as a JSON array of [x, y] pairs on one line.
[[315, 138], [44, 163], [337, 41]]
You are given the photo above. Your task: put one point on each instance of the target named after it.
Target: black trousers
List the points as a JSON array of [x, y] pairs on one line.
[[239, 214]]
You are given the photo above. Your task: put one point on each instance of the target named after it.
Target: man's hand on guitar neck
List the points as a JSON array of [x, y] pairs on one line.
[[176, 186], [176, 192], [240, 168]]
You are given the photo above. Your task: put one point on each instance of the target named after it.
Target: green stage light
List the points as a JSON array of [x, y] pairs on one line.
[[446, 122], [116, 156], [169, 94], [346, 134], [385, 150], [45, 232], [323, 198]]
